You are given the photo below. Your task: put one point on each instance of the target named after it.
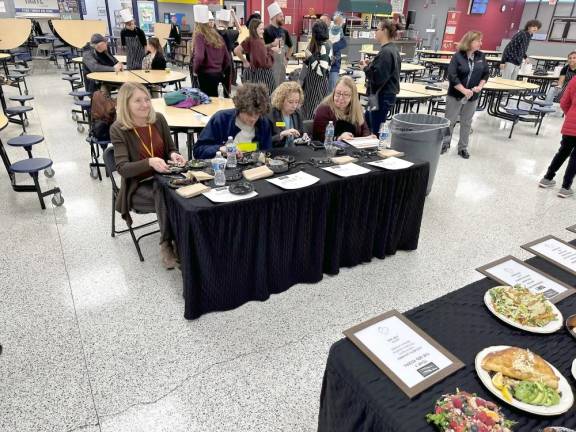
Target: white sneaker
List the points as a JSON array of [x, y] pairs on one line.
[[565, 193]]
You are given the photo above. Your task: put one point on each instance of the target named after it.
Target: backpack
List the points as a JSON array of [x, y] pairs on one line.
[[103, 113]]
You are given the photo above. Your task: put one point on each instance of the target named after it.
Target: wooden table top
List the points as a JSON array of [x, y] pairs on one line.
[[506, 84], [374, 52], [432, 52], [411, 67], [116, 77], [4, 56], [421, 88], [120, 58], [440, 61], [160, 76], [405, 92], [178, 117], [550, 76], [548, 58], [493, 59], [214, 106], [495, 53], [3, 120]]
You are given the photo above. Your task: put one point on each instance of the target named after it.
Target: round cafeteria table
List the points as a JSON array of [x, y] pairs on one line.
[[549, 61], [374, 52], [441, 63], [4, 57], [120, 58], [152, 77], [3, 121], [433, 53], [543, 81], [189, 121]]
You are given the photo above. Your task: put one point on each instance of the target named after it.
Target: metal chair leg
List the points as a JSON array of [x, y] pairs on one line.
[[136, 243], [38, 190]]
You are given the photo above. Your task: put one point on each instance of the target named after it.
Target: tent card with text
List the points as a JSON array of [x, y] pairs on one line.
[[511, 271], [408, 356], [556, 251]]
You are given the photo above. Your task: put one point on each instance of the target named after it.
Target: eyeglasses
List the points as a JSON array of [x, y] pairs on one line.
[[342, 95]]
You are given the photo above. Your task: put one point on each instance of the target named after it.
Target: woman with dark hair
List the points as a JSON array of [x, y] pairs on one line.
[[211, 63], [246, 123], [259, 68], [317, 69], [155, 58], [382, 76], [566, 74], [515, 52]]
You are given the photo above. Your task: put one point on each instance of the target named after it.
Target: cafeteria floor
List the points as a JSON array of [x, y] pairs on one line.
[[94, 340]]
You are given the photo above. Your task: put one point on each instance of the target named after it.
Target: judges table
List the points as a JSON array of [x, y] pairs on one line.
[[357, 396], [247, 250]]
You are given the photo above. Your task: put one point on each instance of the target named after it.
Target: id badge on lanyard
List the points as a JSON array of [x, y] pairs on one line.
[[471, 66]]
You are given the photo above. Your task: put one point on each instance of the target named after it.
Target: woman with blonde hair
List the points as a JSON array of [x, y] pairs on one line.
[[142, 145], [342, 107], [467, 74], [211, 62], [258, 66], [285, 115]]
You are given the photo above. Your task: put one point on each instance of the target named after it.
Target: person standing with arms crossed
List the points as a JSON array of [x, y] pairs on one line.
[[274, 32], [467, 74], [515, 52]]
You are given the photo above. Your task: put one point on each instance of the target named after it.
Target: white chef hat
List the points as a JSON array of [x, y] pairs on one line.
[[274, 9], [223, 15], [126, 15], [201, 14], [210, 16]]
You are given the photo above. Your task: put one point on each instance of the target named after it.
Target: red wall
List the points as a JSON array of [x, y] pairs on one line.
[[296, 9], [495, 25]]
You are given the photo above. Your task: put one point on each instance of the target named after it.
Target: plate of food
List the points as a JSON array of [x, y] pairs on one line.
[[523, 309], [524, 380], [463, 412]]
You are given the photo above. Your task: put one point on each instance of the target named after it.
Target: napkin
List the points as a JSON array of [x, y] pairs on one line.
[[192, 190], [258, 173], [199, 175], [341, 160], [389, 153]]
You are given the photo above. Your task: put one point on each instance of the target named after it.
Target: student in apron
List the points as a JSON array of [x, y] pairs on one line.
[[274, 32], [134, 39]]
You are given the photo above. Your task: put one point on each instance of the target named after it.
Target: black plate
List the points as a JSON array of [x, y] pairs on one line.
[[196, 164], [241, 188], [178, 183], [289, 159], [231, 174], [177, 170]]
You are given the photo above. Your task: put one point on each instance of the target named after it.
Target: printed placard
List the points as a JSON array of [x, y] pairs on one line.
[[404, 352], [511, 271], [554, 250]]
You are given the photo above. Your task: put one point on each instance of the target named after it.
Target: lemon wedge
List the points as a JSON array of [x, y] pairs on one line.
[[506, 393], [498, 381]]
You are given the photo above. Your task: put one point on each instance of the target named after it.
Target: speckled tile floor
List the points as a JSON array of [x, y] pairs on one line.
[[94, 340]]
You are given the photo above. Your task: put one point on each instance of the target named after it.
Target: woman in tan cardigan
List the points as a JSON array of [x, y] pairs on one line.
[[142, 145]]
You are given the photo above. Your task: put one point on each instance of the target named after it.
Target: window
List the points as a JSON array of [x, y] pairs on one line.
[[563, 30]]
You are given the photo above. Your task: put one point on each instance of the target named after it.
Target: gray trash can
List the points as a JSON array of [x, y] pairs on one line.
[[420, 137]]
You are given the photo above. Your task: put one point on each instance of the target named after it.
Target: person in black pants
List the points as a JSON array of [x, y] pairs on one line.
[[382, 76], [567, 146]]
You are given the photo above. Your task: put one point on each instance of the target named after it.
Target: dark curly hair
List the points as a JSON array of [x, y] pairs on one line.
[[319, 36], [252, 99]]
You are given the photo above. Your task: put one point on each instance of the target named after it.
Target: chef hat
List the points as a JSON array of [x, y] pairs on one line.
[[223, 15], [210, 16], [126, 15], [274, 9], [201, 14]]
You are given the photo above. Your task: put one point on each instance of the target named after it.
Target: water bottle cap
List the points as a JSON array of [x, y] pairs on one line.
[[218, 154]]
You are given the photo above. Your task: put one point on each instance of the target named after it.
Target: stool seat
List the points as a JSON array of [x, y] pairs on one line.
[[85, 104], [16, 77], [518, 112], [79, 93], [544, 109], [21, 98], [94, 140], [18, 109], [25, 140], [70, 73], [71, 78], [31, 165]]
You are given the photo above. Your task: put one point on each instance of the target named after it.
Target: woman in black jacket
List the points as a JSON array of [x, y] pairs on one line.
[[285, 116], [382, 76], [155, 59], [467, 73]]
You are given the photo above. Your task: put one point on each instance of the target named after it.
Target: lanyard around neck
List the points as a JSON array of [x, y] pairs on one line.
[[149, 151]]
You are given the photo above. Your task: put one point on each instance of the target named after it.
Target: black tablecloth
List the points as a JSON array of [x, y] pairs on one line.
[[357, 396], [237, 252]]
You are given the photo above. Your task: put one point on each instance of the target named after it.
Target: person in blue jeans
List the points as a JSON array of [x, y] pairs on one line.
[[338, 45], [382, 76]]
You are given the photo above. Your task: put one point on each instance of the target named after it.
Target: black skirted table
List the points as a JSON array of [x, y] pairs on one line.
[[357, 396], [246, 250]]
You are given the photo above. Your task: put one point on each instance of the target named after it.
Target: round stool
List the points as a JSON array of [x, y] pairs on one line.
[[26, 141], [21, 98]]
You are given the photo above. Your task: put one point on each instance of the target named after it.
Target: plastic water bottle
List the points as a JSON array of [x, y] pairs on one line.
[[383, 136], [329, 135], [220, 91], [219, 165], [231, 153]]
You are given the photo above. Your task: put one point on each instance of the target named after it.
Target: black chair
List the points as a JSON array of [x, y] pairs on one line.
[[110, 165], [308, 127]]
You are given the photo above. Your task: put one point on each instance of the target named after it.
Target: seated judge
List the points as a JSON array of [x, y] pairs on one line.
[[246, 123], [97, 58], [343, 108], [142, 146], [285, 116]]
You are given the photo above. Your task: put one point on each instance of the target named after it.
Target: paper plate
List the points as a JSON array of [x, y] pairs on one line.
[[551, 327], [566, 399]]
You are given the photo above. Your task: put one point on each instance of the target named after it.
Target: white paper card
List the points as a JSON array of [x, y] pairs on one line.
[[557, 251], [405, 352], [223, 195], [347, 170], [516, 273], [294, 181], [392, 163], [362, 143]]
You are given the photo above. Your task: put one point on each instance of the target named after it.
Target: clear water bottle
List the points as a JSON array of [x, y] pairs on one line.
[[231, 153], [220, 91], [383, 136], [329, 135], [219, 165]]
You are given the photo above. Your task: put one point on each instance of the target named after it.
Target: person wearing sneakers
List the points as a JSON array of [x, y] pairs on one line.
[[567, 146], [142, 146]]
